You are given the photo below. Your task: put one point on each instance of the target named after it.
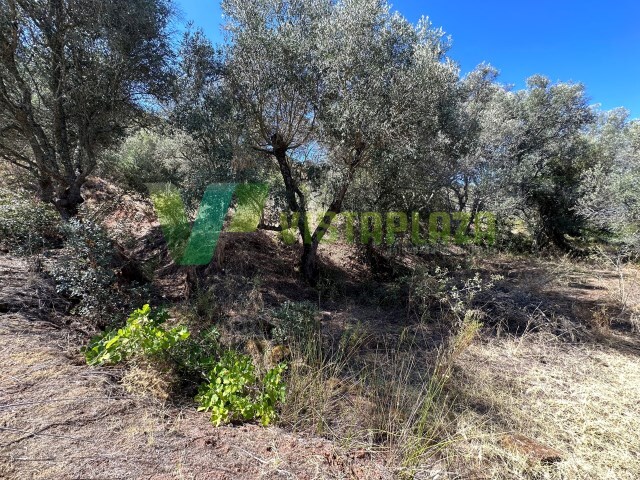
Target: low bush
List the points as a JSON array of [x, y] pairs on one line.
[[27, 225], [196, 356], [85, 271], [442, 294], [296, 322], [234, 393], [232, 390], [145, 157], [143, 335]]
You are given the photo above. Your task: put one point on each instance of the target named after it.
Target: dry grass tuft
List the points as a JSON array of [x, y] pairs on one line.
[[154, 379], [393, 399]]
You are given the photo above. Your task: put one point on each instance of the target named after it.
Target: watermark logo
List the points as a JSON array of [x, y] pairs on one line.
[[195, 245]]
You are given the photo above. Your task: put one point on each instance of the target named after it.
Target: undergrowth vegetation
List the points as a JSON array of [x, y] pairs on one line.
[[142, 335], [232, 391], [27, 225], [393, 398], [88, 271]]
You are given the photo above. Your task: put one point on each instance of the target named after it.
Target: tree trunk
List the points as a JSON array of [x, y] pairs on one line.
[[309, 262], [310, 250], [45, 189], [297, 204], [67, 204]]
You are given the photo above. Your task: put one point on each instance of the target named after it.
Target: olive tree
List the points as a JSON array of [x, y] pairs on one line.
[[610, 189], [73, 75], [272, 68], [202, 111], [349, 80], [537, 138]]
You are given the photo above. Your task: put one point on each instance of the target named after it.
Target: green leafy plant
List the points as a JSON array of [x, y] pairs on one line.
[[197, 355], [142, 335], [297, 322], [274, 391], [234, 393], [26, 224]]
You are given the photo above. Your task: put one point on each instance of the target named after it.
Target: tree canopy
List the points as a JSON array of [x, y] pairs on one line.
[[74, 76]]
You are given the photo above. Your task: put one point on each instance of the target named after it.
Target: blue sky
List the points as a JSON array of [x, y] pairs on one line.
[[593, 42]]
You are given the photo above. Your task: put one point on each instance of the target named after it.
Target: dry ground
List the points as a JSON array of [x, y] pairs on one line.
[[582, 400], [558, 362], [60, 419], [573, 389]]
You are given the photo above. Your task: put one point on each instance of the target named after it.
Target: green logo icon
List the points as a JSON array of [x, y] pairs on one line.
[[196, 245]]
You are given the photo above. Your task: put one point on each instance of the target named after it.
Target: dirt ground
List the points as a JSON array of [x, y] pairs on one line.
[[570, 380], [60, 419], [560, 367]]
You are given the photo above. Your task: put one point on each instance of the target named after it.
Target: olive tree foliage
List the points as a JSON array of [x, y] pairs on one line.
[[272, 69], [354, 83], [203, 111], [149, 155], [74, 74], [470, 159], [610, 199], [536, 138], [414, 162]]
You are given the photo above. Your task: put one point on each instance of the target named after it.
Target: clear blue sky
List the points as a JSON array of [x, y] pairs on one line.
[[593, 42]]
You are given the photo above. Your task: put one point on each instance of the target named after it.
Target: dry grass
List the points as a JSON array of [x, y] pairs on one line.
[[61, 419], [150, 379], [569, 380], [389, 399], [580, 399]]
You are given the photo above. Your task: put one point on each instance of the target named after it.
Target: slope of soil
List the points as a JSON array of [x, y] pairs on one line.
[[60, 419]]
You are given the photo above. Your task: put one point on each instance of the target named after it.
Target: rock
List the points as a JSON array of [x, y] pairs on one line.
[[534, 450]]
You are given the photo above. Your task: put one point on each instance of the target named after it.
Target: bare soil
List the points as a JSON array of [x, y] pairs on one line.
[[60, 419]]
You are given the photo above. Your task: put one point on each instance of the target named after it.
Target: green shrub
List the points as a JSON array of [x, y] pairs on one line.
[[196, 356], [445, 291], [85, 271], [234, 393], [26, 225], [297, 322], [142, 335], [145, 157]]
